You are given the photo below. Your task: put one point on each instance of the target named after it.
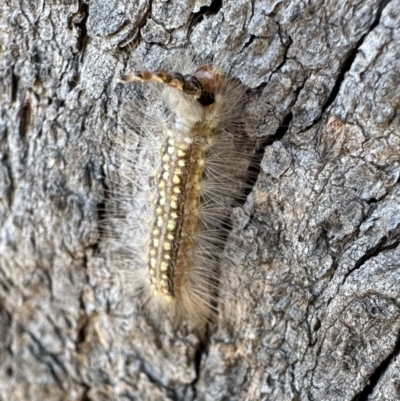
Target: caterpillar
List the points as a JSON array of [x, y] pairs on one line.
[[185, 167]]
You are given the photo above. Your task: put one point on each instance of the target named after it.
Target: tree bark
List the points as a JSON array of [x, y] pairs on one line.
[[311, 310]]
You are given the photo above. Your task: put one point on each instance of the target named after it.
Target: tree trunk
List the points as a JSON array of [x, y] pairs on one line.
[[311, 310]]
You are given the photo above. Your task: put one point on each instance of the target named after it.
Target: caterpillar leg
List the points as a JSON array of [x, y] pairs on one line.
[[185, 83]]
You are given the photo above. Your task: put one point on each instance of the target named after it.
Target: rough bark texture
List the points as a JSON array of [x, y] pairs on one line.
[[311, 309]]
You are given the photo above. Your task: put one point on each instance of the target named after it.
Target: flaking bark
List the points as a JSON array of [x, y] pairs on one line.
[[311, 309]]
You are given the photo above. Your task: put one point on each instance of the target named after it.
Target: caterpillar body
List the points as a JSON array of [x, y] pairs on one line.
[[184, 175]]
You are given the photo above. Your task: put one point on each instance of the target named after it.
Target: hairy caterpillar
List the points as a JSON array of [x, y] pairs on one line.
[[184, 172]]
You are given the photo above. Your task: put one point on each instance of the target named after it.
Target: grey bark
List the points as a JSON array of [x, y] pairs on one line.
[[311, 310]]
